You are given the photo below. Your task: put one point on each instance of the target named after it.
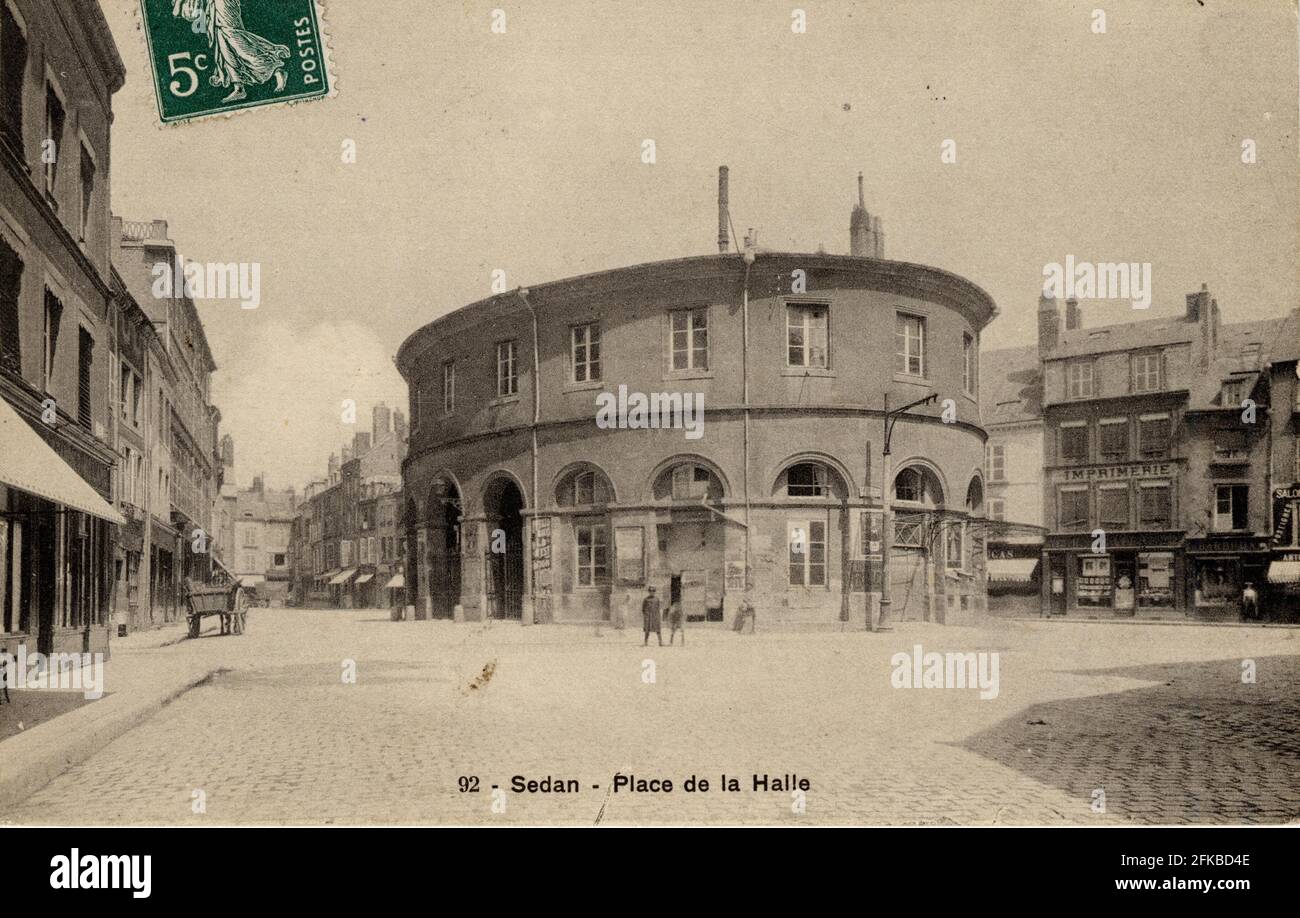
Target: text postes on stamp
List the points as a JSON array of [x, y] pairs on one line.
[[215, 56]]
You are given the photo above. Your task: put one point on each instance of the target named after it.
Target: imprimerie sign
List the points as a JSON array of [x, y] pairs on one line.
[[1111, 472]]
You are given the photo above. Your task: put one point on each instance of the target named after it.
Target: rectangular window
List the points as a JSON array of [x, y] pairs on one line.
[[250, 537], [909, 338], [53, 316], [584, 353], [13, 66], [969, 360], [85, 358], [806, 479], [448, 387], [1153, 436], [690, 482], [1074, 442], [690, 338], [1146, 372], [11, 277], [507, 377], [997, 510], [584, 489], [1112, 507], [1079, 379], [87, 191], [1233, 393], [1230, 443], [1073, 512], [998, 462], [806, 335], [125, 399], [54, 119], [1113, 437], [1154, 507], [1230, 507], [593, 554], [807, 553]]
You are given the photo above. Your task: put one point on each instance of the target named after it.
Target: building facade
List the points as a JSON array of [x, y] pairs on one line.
[[1281, 593], [261, 530], [522, 502], [59, 69], [1156, 474]]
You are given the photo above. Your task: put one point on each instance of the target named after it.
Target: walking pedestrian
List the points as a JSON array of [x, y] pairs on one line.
[[650, 617], [743, 613], [675, 619]]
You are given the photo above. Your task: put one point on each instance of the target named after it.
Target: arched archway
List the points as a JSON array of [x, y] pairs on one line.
[[975, 497], [503, 505], [441, 553]]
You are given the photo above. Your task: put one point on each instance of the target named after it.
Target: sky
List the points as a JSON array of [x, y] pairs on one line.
[[522, 152]]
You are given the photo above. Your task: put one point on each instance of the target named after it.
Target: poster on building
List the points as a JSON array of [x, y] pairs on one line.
[[735, 576], [541, 552], [629, 550]]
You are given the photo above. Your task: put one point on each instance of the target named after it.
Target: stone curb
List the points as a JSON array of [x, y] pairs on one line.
[[36, 757]]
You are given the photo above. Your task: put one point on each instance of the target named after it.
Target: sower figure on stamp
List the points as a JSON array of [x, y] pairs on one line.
[[675, 622], [650, 617], [239, 56]]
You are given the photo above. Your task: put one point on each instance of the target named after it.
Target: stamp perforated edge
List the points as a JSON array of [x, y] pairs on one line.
[[149, 89]]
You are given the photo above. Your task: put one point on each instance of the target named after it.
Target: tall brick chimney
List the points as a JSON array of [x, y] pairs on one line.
[[360, 443], [1073, 318], [379, 422], [723, 204], [1049, 325], [1204, 311]]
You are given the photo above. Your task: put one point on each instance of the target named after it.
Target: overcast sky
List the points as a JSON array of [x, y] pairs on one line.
[[522, 152]]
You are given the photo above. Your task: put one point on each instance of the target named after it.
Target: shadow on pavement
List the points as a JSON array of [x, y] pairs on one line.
[[1200, 746]]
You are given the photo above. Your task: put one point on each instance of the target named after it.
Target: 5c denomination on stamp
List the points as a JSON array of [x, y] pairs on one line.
[[212, 57]]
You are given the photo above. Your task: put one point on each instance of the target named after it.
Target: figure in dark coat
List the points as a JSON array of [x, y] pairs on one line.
[[650, 617]]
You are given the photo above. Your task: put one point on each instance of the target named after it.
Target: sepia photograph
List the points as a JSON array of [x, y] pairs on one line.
[[573, 413]]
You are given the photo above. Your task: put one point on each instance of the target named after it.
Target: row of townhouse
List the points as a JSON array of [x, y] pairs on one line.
[[107, 434], [260, 525], [1148, 468], [346, 540]]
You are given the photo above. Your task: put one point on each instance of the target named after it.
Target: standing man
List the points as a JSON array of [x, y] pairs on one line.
[[650, 617], [1249, 603]]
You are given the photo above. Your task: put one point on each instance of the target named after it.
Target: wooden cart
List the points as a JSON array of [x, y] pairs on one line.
[[224, 599]]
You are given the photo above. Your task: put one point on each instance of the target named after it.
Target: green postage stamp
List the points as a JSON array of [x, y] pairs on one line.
[[211, 57]]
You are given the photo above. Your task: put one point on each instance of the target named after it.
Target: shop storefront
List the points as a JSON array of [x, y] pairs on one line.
[[1219, 569], [1137, 574], [1280, 595]]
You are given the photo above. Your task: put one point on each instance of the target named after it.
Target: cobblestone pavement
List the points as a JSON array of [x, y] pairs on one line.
[[1156, 717]]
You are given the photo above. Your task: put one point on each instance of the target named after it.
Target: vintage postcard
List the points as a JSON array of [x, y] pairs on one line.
[[687, 414]]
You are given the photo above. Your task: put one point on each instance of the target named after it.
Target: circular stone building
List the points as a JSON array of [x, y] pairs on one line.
[[705, 426]]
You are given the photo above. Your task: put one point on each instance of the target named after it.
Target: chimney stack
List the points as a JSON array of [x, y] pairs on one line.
[[1049, 325], [1073, 319], [866, 239], [723, 204], [333, 467], [360, 443]]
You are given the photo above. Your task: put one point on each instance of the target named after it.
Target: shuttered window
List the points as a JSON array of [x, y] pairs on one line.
[[11, 275], [13, 64], [85, 357]]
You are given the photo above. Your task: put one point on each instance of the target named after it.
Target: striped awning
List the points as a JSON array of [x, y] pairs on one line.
[[30, 464], [397, 583], [343, 577], [1012, 570], [1284, 572]]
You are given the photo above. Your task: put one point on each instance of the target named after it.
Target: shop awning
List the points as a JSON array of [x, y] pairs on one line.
[[251, 580], [29, 464], [397, 583], [343, 577], [326, 575], [1284, 572], [364, 578], [1012, 570]]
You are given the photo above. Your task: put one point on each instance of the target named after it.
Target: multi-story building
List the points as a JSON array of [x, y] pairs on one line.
[[524, 501], [59, 69], [1012, 411], [1281, 593], [186, 468], [1156, 443], [262, 524]]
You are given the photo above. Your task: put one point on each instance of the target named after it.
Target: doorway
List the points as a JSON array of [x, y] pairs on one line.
[[503, 504], [442, 547]]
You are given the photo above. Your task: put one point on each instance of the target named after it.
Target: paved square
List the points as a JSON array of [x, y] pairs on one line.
[[1155, 717]]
